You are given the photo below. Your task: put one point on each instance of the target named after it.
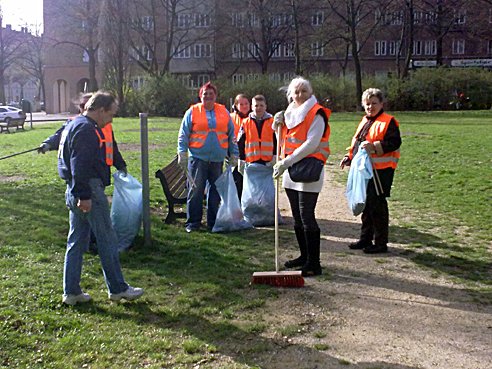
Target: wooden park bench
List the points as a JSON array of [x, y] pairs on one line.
[[173, 181], [17, 124]]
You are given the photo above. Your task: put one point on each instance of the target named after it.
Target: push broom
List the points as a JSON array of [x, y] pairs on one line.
[[278, 278]]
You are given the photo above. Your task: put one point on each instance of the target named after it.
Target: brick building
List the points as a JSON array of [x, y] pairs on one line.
[[200, 40]]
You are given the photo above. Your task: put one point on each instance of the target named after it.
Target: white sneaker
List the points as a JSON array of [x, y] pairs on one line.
[[73, 299], [131, 293]]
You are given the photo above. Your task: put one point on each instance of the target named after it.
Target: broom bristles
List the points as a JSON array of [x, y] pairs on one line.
[[278, 279]]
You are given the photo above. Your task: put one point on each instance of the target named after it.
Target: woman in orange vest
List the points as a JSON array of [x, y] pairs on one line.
[[305, 134], [240, 111], [205, 139], [379, 134]]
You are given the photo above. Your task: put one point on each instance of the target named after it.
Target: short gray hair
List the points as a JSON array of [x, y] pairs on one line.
[[372, 92], [101, 99], [295, 84]]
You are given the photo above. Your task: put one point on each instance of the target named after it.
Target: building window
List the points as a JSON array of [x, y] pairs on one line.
[[380, 47], [430, 18], [396, 18], [430, 47], [276, 50], [184, 20], [317, 18], [202, 79], [182, 52], [417, 47], [349, 52], [237, 20], [202, 20], [276, 20], [393, 47], [289, 50], [147, 53], [138, 82], [460, 16], [274, 77], [490, 15], [237, 79], [252, 76], [203, 50], [288, 76], [253, 20], [418, 16], [253, 50], [489, 47], [237, 51], [458, 47], [317, 49], [289, 19], [147, 23]]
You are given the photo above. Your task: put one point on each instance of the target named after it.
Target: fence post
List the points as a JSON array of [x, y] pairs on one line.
[[144, 144]]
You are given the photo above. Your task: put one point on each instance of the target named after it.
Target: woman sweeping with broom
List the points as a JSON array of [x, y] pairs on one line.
[[305, 137]]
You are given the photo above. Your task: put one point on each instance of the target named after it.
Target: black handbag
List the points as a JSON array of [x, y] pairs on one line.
[[306, 170]]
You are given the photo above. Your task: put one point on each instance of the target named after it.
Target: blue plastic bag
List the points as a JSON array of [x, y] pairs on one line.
[[126, 208], [258, 197], [229, 216], [359, 175]]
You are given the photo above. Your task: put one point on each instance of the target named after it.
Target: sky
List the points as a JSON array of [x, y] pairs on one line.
[[18, 13]]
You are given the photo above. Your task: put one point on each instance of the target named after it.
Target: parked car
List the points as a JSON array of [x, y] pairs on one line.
[[9, 113]]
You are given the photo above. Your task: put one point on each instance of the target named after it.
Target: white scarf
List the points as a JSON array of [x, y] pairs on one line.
[[294, 115]]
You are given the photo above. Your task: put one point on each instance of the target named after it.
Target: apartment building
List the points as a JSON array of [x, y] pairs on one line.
[[200, 40]]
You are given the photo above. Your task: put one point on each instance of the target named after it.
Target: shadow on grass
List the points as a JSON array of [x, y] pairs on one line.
[[425, 249], [231, 341]]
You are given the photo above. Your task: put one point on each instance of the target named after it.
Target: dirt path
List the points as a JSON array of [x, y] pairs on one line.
[[375, 311]]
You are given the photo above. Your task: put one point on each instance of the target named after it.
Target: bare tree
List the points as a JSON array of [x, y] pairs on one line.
[[441, 18], [10, 51], [354, 23], [115, 20], [81, 21], [32, 60], [162, 29], [260, 29]]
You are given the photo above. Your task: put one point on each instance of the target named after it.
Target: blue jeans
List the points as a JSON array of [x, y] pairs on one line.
[[98, 220], [203, 173]]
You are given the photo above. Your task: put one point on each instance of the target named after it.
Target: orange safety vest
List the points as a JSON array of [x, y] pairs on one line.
[[295, 137], [376, 133], [200, 128], [257, 148], [238, 121], [108, 141]]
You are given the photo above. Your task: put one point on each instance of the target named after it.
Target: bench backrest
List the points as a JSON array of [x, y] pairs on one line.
[[173, 180]]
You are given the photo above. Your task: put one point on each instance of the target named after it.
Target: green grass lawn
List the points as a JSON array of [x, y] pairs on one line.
[[198, 303]]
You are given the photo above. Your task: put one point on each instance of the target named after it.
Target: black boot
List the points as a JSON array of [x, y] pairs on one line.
[[301, 240], [312, 266]]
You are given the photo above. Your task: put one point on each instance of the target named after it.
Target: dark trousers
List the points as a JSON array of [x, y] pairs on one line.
[[203, 173], [303, 205], [375, 217]]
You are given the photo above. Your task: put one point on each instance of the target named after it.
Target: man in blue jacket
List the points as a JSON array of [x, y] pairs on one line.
[[82, 164]]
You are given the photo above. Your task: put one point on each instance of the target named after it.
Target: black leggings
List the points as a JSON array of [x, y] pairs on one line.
[[303, 205]]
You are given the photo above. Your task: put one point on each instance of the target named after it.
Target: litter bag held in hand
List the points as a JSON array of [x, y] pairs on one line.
[[126, 209], [229, 216], [359, 175]]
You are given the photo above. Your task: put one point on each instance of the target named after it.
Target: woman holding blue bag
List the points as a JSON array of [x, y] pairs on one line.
[[379, 134]]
